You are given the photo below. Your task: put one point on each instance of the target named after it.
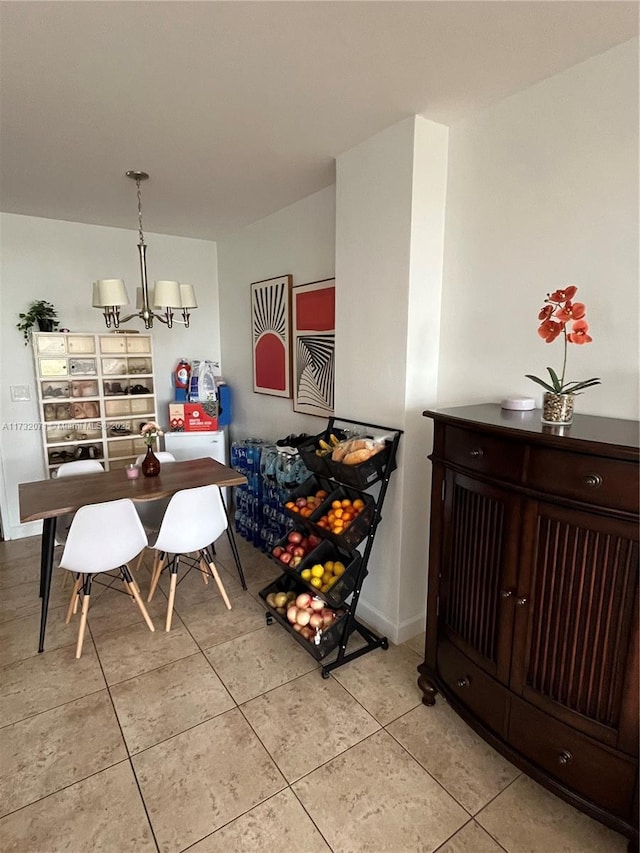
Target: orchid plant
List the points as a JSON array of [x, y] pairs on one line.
[[559, 310], [150, 432]]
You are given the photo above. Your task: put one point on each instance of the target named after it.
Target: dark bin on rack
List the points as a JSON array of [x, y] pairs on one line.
[[363, 475], [285, 542], [330, 638], [315, 463], [337, 594], [359, 527], [310, 486]]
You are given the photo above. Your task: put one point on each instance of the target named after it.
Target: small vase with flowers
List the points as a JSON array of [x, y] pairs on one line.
[[560, 316]]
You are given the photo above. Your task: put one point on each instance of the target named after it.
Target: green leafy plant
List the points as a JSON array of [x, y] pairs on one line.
[[558, 311], [40, 313]]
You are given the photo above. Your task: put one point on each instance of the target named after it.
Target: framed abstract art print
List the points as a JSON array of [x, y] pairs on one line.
[[314, 337], [271, 335]]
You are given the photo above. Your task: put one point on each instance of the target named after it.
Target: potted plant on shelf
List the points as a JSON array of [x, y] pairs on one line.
[[41, 313]]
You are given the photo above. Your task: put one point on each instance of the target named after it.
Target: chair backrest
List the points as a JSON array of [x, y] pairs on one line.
[[193, 519], [103, 536], [81, 466], [161, 456], [71, 469]]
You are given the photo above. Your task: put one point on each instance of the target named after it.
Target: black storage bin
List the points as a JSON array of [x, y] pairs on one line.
[[284, 542], [310, 486], [359, 527], [330, 637], [338, 593], [363, 475], [315, 463]]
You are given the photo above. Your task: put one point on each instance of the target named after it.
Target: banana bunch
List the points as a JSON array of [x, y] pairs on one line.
[[326, 447]]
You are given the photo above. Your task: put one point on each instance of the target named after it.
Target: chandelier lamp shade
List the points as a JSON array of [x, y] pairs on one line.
[[167, 299]]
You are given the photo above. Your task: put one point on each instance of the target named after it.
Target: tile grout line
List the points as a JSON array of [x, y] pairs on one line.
[[126, 746]]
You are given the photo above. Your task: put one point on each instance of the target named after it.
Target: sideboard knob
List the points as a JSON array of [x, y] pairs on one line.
[[565, 757], [463, 682], [522, 601], [506, 593], [476, 453], [593, 480]]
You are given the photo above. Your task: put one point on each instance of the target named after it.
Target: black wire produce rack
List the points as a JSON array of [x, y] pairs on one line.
[[339, 481]]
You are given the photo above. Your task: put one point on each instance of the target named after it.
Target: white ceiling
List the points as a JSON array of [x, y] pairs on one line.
[[238, 109]]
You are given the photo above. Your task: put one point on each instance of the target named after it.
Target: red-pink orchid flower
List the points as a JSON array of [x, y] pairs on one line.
[[564, 294], [578, 334], [571, 311], [545, 312], [549, 330]]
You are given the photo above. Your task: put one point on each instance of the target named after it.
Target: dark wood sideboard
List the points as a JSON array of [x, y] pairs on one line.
[[532, 610]]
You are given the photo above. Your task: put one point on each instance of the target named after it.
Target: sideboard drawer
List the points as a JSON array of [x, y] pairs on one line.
[[592, 479], [484, 453], [600, 775], [478, 691]]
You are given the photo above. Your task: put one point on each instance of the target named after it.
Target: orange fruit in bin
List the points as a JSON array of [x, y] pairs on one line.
[[336, 505], [358, 504], [346, 502]]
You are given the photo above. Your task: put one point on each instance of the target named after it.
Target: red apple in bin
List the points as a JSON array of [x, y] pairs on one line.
[[291, 548], [313, 540], [285, 558], [295, 536], [278, 550], [299, 551]]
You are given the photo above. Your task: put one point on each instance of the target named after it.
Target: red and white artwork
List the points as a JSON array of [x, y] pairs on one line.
[[314, 322], [271, 336]]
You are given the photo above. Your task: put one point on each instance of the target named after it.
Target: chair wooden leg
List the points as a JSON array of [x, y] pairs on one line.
[[134, 591], [205, 569], [141, 606], [216, 577], [73, 601], [77, 601], [140, 559], [155, 575], [83, 624], [172, 596]]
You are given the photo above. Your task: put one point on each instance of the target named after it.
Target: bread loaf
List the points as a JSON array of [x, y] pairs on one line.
[[357, 456]]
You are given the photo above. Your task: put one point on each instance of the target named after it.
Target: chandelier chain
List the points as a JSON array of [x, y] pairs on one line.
[[140, 233]]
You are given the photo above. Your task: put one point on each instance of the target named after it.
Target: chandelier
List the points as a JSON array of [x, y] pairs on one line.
[[110, 294]]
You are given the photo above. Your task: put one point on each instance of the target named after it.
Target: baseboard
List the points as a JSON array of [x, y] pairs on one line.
[[411, 627], [379, 623], [23, 531]]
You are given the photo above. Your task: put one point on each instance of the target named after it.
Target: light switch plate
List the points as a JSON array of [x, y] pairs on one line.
[[20, 393]]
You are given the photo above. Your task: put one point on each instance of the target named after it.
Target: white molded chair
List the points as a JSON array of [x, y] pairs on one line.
[[80, 466], [194, 519], [161, 456], [71, 469], [102, 537]]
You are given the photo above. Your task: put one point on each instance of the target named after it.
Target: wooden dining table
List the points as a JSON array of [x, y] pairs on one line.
[[48, 499]]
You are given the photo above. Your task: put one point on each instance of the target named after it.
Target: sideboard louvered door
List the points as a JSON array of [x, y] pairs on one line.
[[481, 556], [570, 656]]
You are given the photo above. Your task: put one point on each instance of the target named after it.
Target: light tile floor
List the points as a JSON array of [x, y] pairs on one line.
[[222, 737]]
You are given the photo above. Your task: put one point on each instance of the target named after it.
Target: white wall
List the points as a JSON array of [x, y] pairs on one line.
[[298, 240], [390, 198], [543, 192], [57, 261]]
